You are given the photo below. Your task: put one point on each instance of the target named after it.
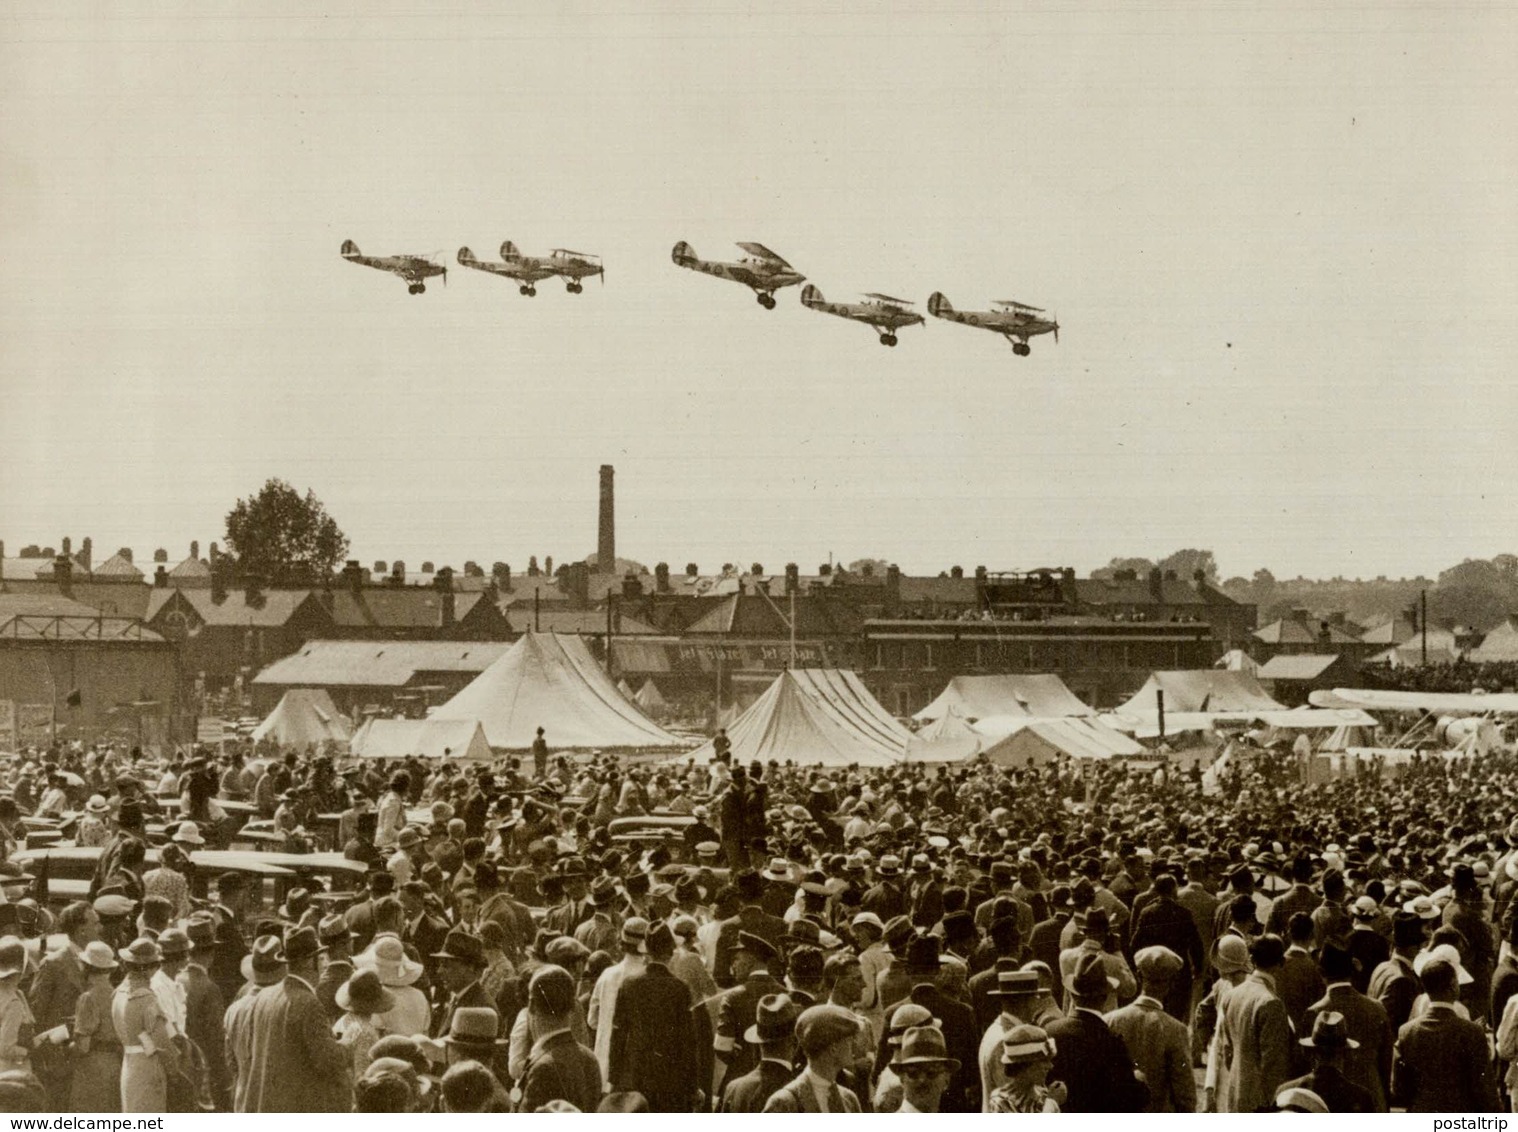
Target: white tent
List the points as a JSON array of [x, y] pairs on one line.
[[1207, 690], [649, 699], [1040, 741], [304, 716], [551, 681], [815, 717], [1008, 694], [948, 739], [429, 738], [1237, 660]]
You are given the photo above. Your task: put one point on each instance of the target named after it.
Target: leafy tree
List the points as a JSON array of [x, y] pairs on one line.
[[1186, 563], [1140, 566], [870, 567], [284, 537]]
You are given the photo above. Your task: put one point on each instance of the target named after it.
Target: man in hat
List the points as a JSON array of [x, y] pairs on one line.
[[923, 1064], [1442, 1061], [1300, 897], [925, 896], [1367, 1061], [409, 855], [461, 962], [1467, 912], [424, 927], [473, 1035], [1328, 1043], [826, 1035], [1394, 984], [752, 960], [603, 997], [1165, 923], [1159, 1044], [336, 962], [957, 1021], [558, 1067], [60, 979], [1090, 1060], [773, 1032], [652, 1043], [750, 918], [1097, 939], [599, 933], [1015, 994], [294, 1064], [886, 898], [1026, 1056], [1254, 1038], [204, 1005]]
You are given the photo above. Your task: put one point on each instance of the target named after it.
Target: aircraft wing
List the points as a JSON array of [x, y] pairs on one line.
[[759, 251], [1014, 305], [567, 252], [888, 299], [1374, 699]]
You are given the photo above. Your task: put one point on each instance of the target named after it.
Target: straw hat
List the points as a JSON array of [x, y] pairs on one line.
[[386, 956]]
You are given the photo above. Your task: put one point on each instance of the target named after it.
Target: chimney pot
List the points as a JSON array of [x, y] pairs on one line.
[[68, 546], [956, 571], [126, 553], [195, 549], [692, 570], [63, 575], [86, 551], [159, 555], [161, 577]]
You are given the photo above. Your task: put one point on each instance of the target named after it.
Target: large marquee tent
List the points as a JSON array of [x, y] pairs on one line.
[[1041, 741], [948, 739], [815, 717], [1027, 697], [304, 716], [551, 681], [1209, 690], [428, 738]]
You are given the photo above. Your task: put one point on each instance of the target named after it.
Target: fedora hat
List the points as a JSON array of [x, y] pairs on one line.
[[774, 1019], [97, 954], [387, 956], [331, 929], [463, 946], [924, 1045], [477, 1027], [173, 943], [141, 952], [297, 902], [757, 946], [409, 838], [363, 993], [13, 956], [923, 954], [1024, 1043], [1090, 978], [603, 891], [265, 964], [889, 866], [300, 943], [1329, 1032]]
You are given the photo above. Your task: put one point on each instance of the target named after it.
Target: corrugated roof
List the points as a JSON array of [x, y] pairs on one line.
[[379, 664], [1306, 666]]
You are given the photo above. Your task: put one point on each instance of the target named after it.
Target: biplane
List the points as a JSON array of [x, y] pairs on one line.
[[884, 314], [412, 268], [529, 270], [761, 270], [1014, 321]]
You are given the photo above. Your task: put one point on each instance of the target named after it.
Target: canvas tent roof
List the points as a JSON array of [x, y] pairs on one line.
[[552, 682], [1209, 690], [1042, 740], [648, 697], [1237, 660], [947, 739], [304, 716], [815, 717], [978, 697], [429, 738]]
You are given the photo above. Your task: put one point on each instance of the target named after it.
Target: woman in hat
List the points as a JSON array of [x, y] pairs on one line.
[[1027, 1055], [149, 1052], [398, 973], [96, 1085], [16, 1022], [169, 880], [362, 997], [92, 834]]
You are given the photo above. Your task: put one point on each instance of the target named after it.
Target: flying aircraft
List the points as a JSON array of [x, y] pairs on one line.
[[761, 269], [885, 314], [412, 268], [527, 270], [1014, 321]]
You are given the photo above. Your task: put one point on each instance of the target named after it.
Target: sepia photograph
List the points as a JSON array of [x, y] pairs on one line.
[[720, 558]]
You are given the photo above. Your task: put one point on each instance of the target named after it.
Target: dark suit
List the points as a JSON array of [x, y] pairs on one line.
[[293, 1062], [1299, 984], [1339, 1093], [750, 1092], [886, 899], [1095, 1066], [737, 1009], [472, 995], [652, 1046], [1044, 944], [1395, 986], [927, 902], [1365, 1021], [334, 974], [1369, 949], [205, 1009], [963, 1039], [1442, 1064], [752, 919], [1164, 922], [560, 1068]]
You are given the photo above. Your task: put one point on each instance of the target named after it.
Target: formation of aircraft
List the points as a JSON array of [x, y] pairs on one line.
[[1014, 321], [881, 312], [529, 270], [412, 268], [761, 270]]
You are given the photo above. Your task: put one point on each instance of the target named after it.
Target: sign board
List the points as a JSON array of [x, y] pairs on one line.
[[210, 730]]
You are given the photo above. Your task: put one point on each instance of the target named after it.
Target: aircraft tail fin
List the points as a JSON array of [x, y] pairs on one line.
[[350, 248], [811, 297], [683, 253], [510, 252], [466, 257], [938, 306]]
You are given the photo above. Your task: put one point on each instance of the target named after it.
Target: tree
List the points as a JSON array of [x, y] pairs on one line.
[[284, 537], [1139, 566], [1186, 563], [869, 567]]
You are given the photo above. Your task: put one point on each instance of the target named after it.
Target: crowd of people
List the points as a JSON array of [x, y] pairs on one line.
[[767, 938]]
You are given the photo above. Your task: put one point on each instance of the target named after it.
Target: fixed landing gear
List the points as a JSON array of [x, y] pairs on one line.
[[767, 301], [415, 288], [528, 289], [888, 339], [1021, 349], [574, 288]]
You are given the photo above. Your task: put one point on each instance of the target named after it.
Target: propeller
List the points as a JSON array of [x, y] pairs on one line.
[[1056, 330]]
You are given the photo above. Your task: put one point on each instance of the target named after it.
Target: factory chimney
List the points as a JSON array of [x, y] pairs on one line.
[[606, 544]]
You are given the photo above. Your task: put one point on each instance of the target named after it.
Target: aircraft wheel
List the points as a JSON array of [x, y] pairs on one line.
[[767, 302], [532, 292], [1022, 349], [410, 288], [523, 290], [891, 340], [885, 339]]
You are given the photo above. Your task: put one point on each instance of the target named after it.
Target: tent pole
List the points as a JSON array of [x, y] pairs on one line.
[[1159, 706]]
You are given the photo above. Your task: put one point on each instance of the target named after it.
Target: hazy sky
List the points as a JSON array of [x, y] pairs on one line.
[[1282, 246]]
